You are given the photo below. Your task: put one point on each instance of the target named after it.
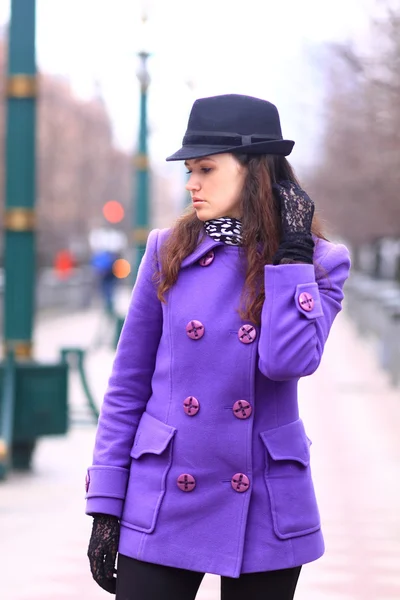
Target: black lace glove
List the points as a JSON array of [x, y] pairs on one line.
[[296, 211], [102, 551]]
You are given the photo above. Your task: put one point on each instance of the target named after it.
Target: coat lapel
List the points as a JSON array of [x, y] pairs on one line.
[[204, 246]]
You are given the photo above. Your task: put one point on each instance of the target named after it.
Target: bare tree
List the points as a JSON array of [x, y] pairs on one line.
[[357, 179]]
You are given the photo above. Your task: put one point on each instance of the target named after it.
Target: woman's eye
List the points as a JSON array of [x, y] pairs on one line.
[[203, 170]]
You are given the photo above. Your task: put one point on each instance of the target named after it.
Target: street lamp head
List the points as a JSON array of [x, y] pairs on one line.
[[142, 72], [143, 35]]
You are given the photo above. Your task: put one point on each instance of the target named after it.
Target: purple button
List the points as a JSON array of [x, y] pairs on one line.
[[191, 406], [207, 259], [240, 482], [247, 334], [306, 301], [242, 409], [195, 330], [186, 482], [87, 482]]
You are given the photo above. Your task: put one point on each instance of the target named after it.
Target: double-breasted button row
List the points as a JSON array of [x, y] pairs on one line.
[[195, 331], [186, 482], [239, 482], [241, 409], [191, 406], [247, 334]]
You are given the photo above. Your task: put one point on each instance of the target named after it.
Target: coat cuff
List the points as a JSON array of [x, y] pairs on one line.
[[106, 489], [105, 506], [306, 297]]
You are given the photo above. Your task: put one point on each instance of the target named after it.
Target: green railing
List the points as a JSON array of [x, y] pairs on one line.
[[7, 414], [75, 358]]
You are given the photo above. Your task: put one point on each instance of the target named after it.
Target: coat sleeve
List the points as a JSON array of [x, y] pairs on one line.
[[301, 303], [128, 391]]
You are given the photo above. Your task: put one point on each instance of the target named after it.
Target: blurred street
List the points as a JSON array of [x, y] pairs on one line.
[[351, 414]]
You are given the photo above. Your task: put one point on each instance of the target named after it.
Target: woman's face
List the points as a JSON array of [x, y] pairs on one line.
[[215, 185]]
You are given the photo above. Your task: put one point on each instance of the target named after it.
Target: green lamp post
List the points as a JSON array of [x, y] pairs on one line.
[[32, 395], [140, 194], [19, 221], [141, 163]]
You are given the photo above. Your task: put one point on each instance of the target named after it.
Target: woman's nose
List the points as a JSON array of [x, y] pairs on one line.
[[192, 184]]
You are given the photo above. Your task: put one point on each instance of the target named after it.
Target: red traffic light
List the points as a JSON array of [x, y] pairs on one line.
[[113, 211]]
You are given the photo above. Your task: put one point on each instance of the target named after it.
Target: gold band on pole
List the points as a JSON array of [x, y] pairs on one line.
[[22, 86], [21, 348], [20, 219], [141, 162], [140, 235], [3, 450]]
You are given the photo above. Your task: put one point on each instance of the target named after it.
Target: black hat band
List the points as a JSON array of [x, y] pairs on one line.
[[219, 138]]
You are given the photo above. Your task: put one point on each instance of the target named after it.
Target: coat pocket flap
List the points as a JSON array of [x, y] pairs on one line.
[[288, 442], [152, 436]]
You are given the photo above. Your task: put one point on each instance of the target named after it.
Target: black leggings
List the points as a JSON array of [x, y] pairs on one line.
[[137, 580]]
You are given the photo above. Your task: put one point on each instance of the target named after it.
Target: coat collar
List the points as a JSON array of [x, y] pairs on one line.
[[205, 245]]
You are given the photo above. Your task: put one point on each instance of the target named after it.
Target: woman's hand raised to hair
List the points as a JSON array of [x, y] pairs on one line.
[[295, 206], [296, 211]]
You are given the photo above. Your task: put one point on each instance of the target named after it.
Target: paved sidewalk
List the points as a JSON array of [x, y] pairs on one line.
[[353, 417]]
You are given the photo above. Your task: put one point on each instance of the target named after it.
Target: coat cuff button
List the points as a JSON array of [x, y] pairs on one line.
[[306, 301]]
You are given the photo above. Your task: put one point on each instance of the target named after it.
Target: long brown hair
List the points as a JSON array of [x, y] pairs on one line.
[[260, 222]]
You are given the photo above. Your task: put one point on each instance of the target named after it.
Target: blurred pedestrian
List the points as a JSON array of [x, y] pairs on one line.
[[64, 263], [201, 462], [103, 263]]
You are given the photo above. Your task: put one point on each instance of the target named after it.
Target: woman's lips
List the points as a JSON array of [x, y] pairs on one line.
[[197, 200]]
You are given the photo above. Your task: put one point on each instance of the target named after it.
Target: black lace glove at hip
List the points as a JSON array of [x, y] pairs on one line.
[[102, 551], [296, 211]]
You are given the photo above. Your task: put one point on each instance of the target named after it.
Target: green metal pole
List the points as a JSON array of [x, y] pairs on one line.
[[141, 206], [7, 414], [20, 188], [39, 397]]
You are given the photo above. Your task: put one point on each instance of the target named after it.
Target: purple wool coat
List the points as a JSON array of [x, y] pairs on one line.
[[200, 450]]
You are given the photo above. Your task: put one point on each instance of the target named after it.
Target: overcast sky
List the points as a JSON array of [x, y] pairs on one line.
[[272, 49]]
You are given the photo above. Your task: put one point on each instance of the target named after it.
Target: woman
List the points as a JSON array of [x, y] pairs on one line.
[[201, 463]]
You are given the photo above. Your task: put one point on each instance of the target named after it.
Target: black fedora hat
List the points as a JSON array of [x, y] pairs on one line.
[[232, 123]]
